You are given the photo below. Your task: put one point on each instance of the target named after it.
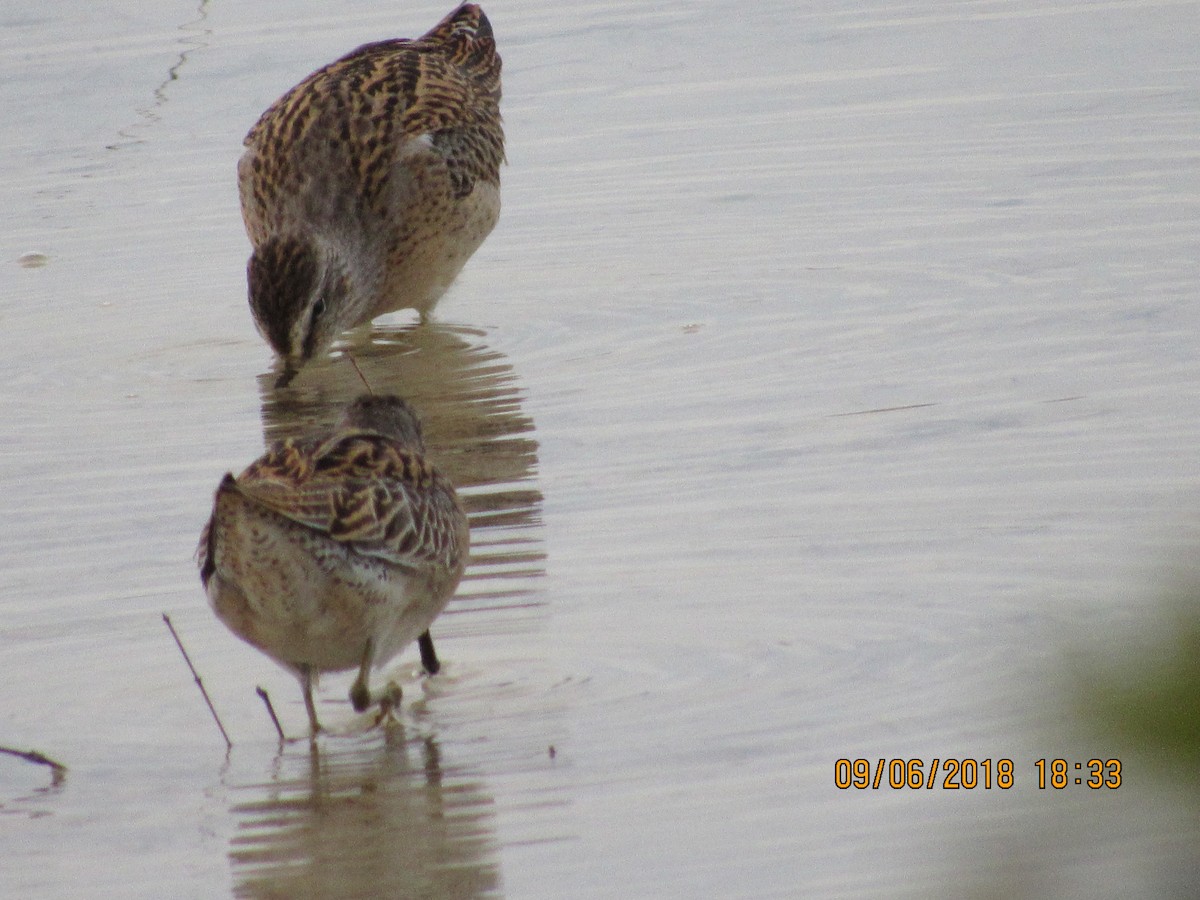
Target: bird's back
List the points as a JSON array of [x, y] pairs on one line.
[[377, 128], [321, 545]]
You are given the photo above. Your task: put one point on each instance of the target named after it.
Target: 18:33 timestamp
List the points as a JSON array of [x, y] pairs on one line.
[[968, 774], [1095, 773]]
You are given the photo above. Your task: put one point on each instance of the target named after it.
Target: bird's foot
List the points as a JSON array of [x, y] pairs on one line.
[[389, 701]]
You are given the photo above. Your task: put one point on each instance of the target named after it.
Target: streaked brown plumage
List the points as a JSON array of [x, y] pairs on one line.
[[336, 552], [367, 186]]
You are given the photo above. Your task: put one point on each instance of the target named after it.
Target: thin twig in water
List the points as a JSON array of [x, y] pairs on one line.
[[58, 769], [362, 377], [199, 683], [271, 712]]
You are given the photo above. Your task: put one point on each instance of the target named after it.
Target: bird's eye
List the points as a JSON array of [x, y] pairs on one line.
[[318, 308]]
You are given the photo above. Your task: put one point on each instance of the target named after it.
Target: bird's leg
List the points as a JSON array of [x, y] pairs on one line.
[[360, 691], [306, 683], [428, 655]]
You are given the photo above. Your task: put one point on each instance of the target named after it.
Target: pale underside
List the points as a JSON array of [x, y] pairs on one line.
[[307, 600]]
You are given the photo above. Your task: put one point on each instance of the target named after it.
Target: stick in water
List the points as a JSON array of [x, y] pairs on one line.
[[271, 712], [199, 683], [58, 769], [362, 377]]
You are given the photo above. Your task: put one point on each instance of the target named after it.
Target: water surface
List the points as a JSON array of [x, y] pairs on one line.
[[830, 379]]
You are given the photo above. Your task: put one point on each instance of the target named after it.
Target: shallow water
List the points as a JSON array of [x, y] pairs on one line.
[[830, 379]]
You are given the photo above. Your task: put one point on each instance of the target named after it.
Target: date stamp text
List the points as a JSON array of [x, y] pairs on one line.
[[965, 773]]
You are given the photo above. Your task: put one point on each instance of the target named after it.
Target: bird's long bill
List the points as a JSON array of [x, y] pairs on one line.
[[285, 377]]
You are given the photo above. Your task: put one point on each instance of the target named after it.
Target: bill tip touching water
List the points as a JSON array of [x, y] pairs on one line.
[[334, 552], [367, 186]]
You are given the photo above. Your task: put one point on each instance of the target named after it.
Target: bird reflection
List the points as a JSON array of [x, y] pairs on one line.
[[380, 817], [467, 397]]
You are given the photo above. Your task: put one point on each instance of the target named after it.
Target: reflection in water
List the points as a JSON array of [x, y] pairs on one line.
[[475, 431], [380, 817], [33, 803]]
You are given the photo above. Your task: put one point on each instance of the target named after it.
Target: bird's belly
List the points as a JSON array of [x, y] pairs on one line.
[[316, 602], [435, 243]]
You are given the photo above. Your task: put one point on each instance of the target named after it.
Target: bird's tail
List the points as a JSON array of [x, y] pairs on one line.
[[206, 552], [467, 35]]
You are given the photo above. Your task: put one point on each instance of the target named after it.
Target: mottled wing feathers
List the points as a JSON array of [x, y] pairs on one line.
[[363, 491], [443, 87], [465, 39], [467, 36]]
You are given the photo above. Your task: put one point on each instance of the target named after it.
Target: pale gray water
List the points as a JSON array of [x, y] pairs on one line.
[[832, 368]]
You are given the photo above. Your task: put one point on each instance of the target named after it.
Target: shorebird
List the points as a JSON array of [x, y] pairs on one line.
[[367, 186], [335, 552]]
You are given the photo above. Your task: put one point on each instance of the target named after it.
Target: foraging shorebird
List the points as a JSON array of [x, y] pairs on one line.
[[367, 186], [335, 552]]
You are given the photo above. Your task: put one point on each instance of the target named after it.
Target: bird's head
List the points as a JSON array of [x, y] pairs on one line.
[[385, 415], [300, 295]]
